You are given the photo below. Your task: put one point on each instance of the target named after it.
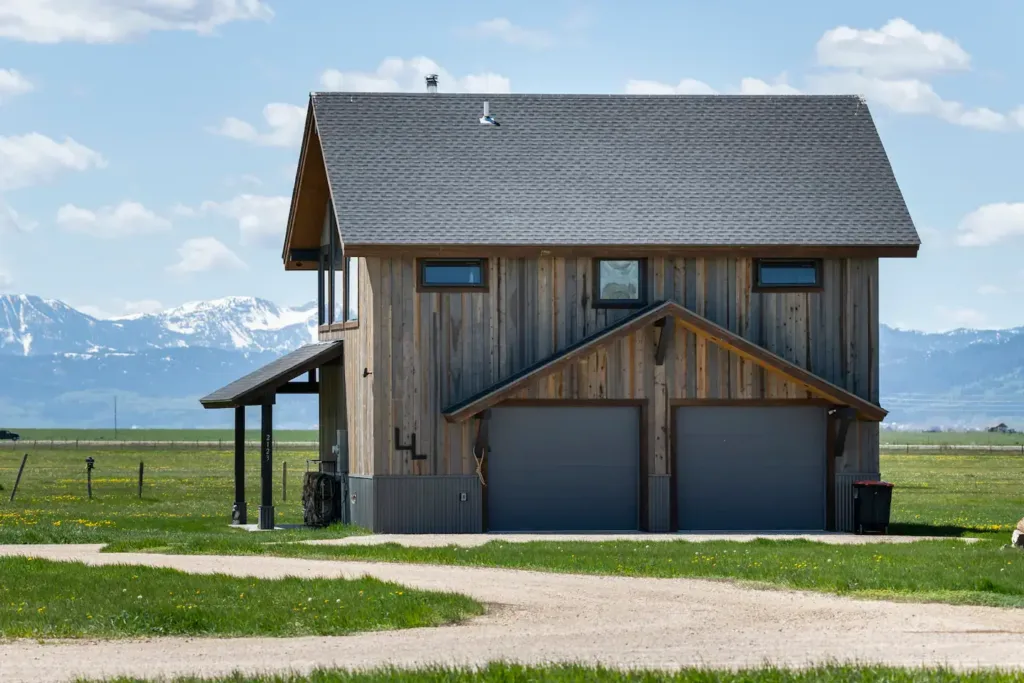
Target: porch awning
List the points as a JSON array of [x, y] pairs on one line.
[[274, 377]]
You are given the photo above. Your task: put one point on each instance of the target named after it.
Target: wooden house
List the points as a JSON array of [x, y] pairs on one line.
[[592, 312]]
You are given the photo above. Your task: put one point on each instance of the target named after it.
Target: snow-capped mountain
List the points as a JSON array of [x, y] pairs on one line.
[[32, 326], [62, 367]]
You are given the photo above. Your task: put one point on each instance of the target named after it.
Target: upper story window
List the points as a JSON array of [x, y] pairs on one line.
[[452, 275], [787, 275], [620, 283]]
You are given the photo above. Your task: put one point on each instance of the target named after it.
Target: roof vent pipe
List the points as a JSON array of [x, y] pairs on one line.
[[432, 83]]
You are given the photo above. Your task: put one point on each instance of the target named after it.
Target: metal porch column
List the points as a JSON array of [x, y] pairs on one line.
[[267, 466]]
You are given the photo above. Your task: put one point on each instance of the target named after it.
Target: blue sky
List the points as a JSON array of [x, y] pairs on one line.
[[148, 147]]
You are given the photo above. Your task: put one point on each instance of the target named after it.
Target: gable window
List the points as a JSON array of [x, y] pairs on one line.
[[620, 283], [452, 275], [773, 275]]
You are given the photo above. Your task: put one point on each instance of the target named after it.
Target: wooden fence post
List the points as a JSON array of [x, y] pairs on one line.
[[17, 480], [140, 479]]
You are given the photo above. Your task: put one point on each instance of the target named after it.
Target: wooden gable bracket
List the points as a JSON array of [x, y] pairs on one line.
[[482, 443], [663, 338], [845, 415], [411, 447]]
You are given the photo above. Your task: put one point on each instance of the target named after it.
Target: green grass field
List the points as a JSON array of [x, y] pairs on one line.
[[42, 599], [512, 673], [951, 438], [226, 435], [186, 494]]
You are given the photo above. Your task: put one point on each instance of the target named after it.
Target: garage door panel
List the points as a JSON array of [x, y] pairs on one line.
[[563, 468], [750, 468]]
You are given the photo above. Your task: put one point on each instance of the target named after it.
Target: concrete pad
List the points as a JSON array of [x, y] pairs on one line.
[[474, 540]]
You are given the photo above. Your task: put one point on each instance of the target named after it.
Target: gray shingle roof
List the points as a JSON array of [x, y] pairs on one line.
[[264, 380], [419, 168]]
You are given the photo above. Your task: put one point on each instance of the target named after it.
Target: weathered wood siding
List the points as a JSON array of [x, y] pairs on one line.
[[432, 349], [333, 414]]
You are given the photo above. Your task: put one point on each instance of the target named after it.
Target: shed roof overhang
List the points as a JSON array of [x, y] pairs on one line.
[[697, 324], [262, 385]]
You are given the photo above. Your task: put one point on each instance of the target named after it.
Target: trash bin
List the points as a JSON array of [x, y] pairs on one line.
[[872, 502]]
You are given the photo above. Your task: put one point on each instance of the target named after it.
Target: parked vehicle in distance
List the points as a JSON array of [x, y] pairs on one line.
[[8, 436]]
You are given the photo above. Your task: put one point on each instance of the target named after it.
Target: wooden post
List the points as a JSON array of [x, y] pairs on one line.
[[284, 481], [140, 479], [17, 479]]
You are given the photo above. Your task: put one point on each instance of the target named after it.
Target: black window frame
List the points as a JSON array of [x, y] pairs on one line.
[[423, 263], [758, 286], [641, 299]]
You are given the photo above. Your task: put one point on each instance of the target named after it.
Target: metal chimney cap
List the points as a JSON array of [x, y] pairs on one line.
[[431, 82]]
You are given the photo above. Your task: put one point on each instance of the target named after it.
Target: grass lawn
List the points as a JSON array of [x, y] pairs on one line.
[[43, 599], [939, 495], [187, 493], [510, 673]]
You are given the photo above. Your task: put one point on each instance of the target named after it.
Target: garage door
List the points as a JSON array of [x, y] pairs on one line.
[[750, 468], [563, 468]]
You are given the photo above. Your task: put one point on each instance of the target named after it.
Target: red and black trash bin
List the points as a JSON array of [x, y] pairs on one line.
[[872, 503]]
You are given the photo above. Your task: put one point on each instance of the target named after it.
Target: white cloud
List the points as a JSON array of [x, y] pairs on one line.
[[395, 74], [990, 290], [34, 158], [884, 65], [126, 308], [12, 83], [960, 317], [755, 86], [504, 30], [897, 48], [6, 280], [111, 21], [201, 254], [285, 125], [126, 219], [11, 221], [687, 86], [691, 86], [990, 224], [909, 96], [261, 219]]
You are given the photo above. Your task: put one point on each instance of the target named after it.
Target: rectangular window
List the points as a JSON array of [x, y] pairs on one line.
[[452, 275], [797, 275], [352, 289], [620, 283]]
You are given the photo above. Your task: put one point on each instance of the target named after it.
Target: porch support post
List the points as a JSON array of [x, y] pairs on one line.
[[267, 466], [239, 514]]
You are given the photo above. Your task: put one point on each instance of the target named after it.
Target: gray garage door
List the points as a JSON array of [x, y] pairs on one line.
[[750, 468], [563, 468]]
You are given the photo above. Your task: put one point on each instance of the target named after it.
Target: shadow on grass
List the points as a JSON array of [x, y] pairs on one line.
[[903, 529]]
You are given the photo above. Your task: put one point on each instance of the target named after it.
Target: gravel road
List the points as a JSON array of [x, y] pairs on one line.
[[538, 617]]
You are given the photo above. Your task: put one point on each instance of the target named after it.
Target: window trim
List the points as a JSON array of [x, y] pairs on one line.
[[423, 263], [641, 299], [756, 285]]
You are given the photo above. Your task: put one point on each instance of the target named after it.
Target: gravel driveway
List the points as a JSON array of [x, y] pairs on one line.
[[537, 617]]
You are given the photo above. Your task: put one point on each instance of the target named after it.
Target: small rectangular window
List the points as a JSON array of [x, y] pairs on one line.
[[619, 283], [788, 275], [453, 275]]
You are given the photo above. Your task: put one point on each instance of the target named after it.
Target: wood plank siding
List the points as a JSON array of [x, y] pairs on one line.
[[426, 351]]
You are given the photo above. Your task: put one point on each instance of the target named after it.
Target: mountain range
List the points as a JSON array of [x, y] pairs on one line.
[[60, 367]]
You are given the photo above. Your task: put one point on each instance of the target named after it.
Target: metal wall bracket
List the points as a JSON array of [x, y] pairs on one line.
[[411, 447], [844, 416]]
